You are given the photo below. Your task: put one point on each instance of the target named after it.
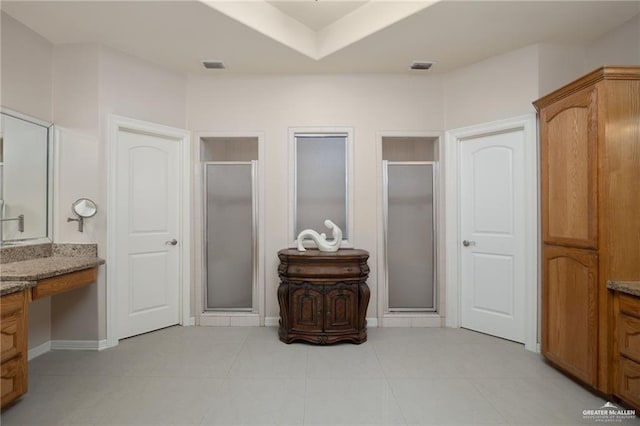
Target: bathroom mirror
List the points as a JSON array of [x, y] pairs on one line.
[[83, 208], [25, 178]]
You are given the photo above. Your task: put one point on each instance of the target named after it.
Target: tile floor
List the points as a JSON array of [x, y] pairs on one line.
[[245, 376]]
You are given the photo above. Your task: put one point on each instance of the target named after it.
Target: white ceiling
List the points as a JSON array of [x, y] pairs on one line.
[[317, 14], [381, 36]]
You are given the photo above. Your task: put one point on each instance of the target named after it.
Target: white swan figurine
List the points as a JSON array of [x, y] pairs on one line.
[[321, 239]]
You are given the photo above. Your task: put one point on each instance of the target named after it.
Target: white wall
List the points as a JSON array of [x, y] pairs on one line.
[[558, 65], [90, 82], [499, 87], [26, 69], [26, 87], [272, 104], [620, 46], [75, 107], [138, 89], [562, 64]]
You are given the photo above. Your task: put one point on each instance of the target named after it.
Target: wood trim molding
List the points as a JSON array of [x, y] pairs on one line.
[[61, 283], [603, 73]]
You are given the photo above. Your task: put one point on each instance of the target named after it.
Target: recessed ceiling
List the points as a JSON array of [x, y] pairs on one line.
[[316, 14], [181, 34]]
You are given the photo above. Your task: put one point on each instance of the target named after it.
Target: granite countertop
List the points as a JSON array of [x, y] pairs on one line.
[[21, 267], [46, 267], [8, 287], [628, 287]]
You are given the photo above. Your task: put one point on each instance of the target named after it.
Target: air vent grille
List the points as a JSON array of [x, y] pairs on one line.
[[421, 65], [213, 65]]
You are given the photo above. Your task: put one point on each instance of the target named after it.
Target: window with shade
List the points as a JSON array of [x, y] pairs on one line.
[[321, 182]]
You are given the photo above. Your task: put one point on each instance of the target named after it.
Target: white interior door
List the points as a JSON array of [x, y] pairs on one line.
[[148, 227], [492, 220]]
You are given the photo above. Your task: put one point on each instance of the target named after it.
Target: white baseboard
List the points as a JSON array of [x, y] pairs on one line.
[[78, 345], [412, 320], [190, 322], [39, 350], [229, 319], [372, 322], [271, 321]]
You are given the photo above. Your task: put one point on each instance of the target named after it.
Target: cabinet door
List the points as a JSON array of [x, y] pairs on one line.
[[629, 336], [629, 382], [13, 375], [13, 331], [570, 310], [569, 170], [306, 308], [341, 306], [13, 323]]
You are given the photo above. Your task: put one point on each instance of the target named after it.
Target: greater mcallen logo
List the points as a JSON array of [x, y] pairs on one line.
[[609, 413]]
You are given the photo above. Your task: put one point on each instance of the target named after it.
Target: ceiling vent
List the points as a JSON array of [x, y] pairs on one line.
[[213, 65], [421, 65]]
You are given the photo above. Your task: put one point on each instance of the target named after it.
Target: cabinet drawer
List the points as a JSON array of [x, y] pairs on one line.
[[11, 303], [13, 379], [629, 381], [10, 336], [61, 283], [629, 305], [12, 326], [629, 336]]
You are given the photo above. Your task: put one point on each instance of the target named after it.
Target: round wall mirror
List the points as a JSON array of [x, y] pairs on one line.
[[84, 208]]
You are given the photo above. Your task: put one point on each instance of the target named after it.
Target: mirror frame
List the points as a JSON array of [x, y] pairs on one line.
[[51, 152], [80, 200]]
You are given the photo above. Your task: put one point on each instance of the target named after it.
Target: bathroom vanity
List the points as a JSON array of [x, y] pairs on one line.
[[626, 342], [29, 273]]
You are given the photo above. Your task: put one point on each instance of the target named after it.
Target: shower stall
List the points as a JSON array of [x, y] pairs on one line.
[[410, 214], [230, 226], [409, 205]]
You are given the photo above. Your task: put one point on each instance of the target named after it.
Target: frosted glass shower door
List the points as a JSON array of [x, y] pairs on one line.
[[410, 235], [230, 232]]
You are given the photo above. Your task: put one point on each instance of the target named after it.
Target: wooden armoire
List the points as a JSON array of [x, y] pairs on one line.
[[590, 206]]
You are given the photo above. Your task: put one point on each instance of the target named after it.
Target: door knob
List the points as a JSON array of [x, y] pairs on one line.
[[172, 242], [468, 243]]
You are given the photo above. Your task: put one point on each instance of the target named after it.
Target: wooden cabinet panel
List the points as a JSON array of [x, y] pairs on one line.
[[570, 309], [13, 377], [341, 308], [61, 283], [629, 337], [569, 170], [620, 185], [13, 332], [306, 309], [629, 382], [629, 305]]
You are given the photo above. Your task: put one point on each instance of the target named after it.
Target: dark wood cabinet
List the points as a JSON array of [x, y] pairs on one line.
[[323, 296]]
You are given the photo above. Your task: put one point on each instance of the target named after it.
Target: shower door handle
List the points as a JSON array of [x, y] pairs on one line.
[[172, 242]]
